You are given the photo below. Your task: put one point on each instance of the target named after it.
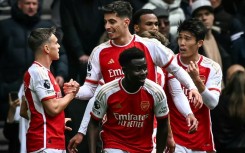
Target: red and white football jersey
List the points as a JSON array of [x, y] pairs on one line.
[[130, 116], [44, 131], [202, 140], [104, 62]]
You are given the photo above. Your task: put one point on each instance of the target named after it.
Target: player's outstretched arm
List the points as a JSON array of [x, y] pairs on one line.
[[74, 142], [93, 134]]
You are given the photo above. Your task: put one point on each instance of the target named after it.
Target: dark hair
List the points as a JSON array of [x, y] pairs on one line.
[[128, 54], [194, 26], [235, 90], [40, 36], [139, 13], [121, 8]]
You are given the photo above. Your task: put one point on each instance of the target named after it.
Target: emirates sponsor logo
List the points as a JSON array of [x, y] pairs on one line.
[[115, 73], [131, 120]]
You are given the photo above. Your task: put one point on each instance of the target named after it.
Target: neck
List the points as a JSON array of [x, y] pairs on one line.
[[44, 61], [123, 40], [186, 60], [209, 34], [129, 86]]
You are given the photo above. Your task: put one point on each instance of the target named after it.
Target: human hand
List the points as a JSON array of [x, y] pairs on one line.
[[170, 145], [193, 70], [60, 80], [71, 87], [66, 127], [83, 59], [76, 140], [192, 123], [196, 98], [14, 101]]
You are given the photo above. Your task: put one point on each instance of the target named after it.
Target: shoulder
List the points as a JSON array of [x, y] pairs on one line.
[[36, 71], [108, 88], [153, 88], [100, 48], [212, 65]]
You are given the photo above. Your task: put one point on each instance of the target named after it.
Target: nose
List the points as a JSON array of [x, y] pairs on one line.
[[107, 25], [155, 27]]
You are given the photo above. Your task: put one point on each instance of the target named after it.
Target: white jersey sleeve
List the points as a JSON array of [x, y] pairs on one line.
[[86, 117], [179, 98], [160, 101], [164, 57], [41, 83], [213, 85]]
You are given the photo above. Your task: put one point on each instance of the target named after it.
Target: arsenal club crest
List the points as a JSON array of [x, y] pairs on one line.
[[145, 105]]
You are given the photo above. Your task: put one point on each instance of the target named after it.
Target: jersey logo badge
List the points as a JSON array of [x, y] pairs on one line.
[[89, 66], [145, 105], [46, 84], [111, 61], [117, 106], [96, 105]]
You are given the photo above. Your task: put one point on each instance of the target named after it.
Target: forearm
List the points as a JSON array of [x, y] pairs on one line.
[[10, 117], [93, 134], [86, 92], [199, 84], [55, 106], [86, 117], [162, 134], [210, 98], [180, 100], [24, 109]]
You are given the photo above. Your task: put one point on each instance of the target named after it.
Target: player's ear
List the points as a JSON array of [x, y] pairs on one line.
[[45, 48], [127, 22], [200, 43]]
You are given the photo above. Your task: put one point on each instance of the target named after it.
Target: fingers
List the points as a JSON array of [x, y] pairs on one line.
[[67, 119], [196, 98], [71, 87], [193, 128], [192, 123], [67, 128], [71, 145]]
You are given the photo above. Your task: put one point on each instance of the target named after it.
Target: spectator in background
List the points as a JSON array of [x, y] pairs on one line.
[[230, 29], [212, 47], [228, 118], [176, 13], [164, 27]]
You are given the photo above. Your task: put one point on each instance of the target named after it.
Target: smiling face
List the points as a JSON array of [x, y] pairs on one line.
[[188, 46], [136, 72], [115, 26], [147, 22]]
